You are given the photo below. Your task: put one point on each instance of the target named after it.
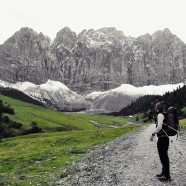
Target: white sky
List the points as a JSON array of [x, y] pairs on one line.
[[133, 17]]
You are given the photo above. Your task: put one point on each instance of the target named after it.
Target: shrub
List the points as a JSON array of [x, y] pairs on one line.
[[34, 129]]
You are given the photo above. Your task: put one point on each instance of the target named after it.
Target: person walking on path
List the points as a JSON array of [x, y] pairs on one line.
[[162, 143]]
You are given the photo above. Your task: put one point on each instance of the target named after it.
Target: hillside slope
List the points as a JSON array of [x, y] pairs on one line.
[[47, 119]]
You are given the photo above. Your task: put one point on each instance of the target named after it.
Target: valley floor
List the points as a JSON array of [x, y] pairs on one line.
[[129, 161]]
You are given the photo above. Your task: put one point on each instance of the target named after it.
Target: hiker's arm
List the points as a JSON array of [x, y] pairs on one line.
[[160, 124]]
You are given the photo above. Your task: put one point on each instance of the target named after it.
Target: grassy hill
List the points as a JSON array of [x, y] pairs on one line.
[[47, 119], [37, 158]]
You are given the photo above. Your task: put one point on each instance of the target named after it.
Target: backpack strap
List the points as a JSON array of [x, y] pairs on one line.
[[171, 128], [165, 132], [178, 132]]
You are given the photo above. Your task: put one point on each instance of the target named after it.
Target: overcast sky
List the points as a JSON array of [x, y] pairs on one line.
[[133, 17]]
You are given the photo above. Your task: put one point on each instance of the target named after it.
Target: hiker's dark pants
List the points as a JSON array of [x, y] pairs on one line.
[[163, 145]]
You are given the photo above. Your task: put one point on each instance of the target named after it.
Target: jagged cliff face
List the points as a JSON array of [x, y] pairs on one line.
[[95, 59], [163, 58], [26, 57]]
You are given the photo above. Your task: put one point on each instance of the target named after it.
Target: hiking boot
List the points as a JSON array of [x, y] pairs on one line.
[[159, 175], [164, 178]]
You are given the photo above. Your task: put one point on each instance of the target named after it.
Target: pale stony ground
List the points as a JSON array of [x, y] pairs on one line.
[[128, 161]]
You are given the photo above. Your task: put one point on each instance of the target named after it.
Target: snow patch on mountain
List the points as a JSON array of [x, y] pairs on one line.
[[22, 86], [118, 98], [52, 93], [128, 89], [53, 86], [58, 95], [147, 90]]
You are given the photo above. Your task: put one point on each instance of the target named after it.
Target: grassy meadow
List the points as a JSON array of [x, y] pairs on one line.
[[38, 158]]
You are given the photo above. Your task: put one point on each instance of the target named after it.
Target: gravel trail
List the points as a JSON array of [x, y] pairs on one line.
[[130, 160]]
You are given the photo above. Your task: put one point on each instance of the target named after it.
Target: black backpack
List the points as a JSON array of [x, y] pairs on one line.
[[171, 121]]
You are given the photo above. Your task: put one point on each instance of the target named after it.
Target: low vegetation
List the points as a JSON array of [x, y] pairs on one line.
[[59, 140], [62, 139], [183, 121], [38, 158]]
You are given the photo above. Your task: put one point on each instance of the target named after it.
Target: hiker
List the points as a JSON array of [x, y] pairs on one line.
[[163, 143]]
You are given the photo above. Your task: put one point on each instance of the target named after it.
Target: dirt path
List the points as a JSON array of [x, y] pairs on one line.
[[128, 161]]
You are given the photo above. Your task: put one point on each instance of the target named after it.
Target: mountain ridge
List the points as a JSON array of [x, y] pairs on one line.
[[93, 60]]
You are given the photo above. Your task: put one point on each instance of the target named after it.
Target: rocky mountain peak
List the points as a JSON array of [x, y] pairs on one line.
[[158, 35], [110, 31], [23, 33], [25, 56], [101, 37], [163, 36], [167, 31], [66, 37], [145, 37], [26, 36]]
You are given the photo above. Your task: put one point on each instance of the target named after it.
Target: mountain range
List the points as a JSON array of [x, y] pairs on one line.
[[56, 95], [93, 60]]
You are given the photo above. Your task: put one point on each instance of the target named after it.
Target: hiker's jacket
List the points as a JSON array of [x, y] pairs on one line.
[[160, 126]]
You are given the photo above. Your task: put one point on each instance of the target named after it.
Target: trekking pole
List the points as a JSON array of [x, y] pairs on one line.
[[178, 149]]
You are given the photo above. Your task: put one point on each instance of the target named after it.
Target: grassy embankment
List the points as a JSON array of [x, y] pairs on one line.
[[38, 158], [183, 122]]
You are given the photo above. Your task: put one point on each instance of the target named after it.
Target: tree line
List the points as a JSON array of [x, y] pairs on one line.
[[145, 104]]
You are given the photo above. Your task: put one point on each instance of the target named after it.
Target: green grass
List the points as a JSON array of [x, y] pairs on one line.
[[104, 120], [38, 158], [18, 155], [47, 119], [50, 120], [183, 124]]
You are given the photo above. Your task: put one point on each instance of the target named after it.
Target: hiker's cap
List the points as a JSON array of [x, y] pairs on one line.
[[160, 105]]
